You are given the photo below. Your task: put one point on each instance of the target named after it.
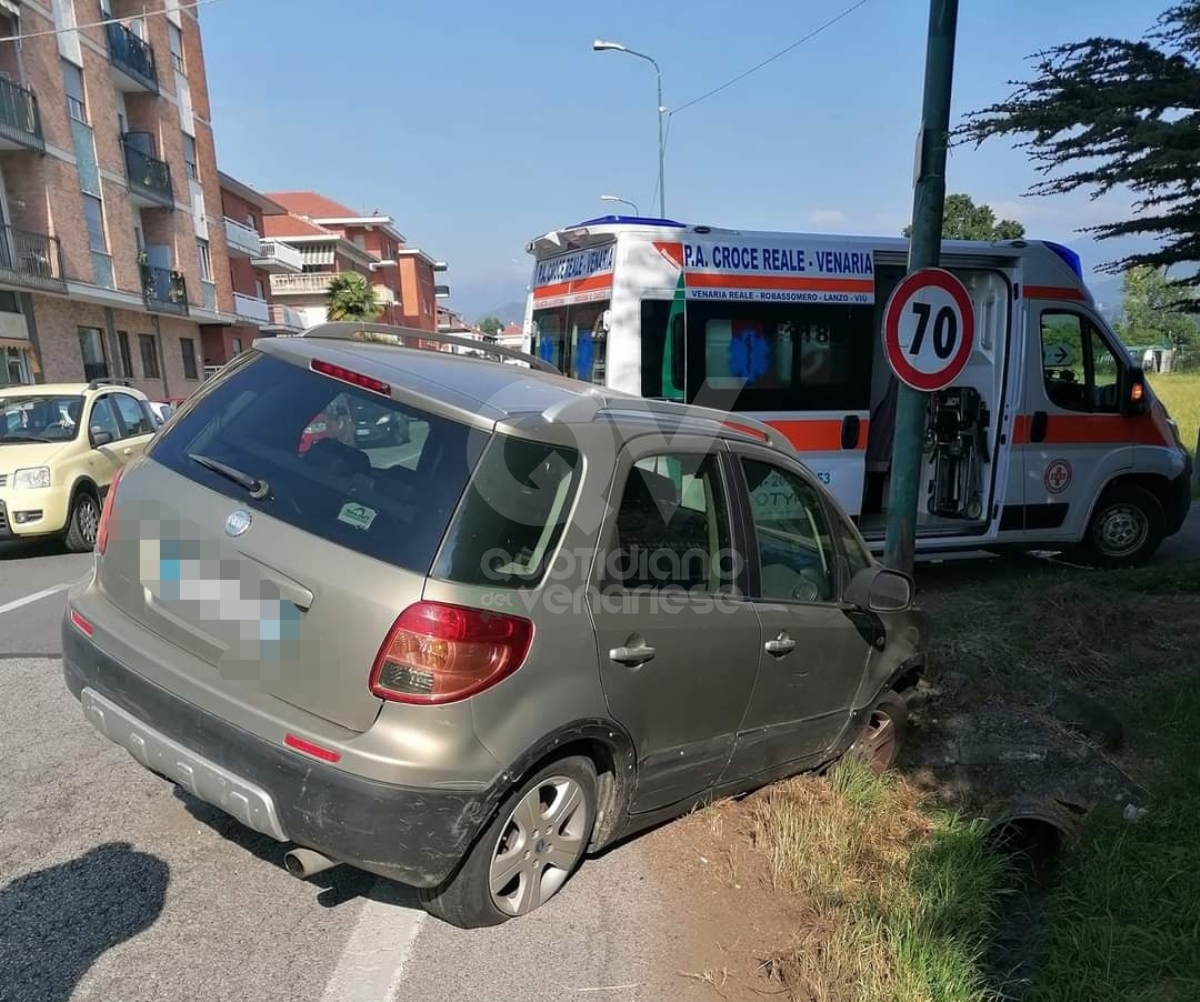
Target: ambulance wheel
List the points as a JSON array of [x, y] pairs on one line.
[[1126, 528]]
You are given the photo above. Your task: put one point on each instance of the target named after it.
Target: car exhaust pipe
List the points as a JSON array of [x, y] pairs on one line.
[[305, 863]]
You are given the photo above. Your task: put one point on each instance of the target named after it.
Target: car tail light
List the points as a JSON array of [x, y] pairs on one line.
[[110, 500], [350, 376], [439, 653]]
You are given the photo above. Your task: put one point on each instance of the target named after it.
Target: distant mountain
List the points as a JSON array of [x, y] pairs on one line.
[[1109, 293], [512, 312]]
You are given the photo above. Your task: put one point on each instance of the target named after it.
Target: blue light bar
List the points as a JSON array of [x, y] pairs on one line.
[[1073, 260], [628, 221]]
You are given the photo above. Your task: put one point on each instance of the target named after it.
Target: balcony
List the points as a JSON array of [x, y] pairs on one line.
[[164, 290], [309, 283], [242, 240], [31, 259], [384, 295], [441, 291], [149, 178], [284, 320], [20, 120], [251, 308], [130, 61], [277, 258]]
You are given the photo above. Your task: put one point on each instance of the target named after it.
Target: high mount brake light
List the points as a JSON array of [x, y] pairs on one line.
[[350, 376], [440, 653]]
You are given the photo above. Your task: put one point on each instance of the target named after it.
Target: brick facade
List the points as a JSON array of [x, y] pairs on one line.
[[42, 193]]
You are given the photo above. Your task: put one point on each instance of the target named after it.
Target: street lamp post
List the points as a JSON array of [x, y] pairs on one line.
[[623, 201], [600, 45]]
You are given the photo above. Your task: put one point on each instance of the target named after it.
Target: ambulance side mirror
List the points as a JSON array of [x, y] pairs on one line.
[[1133, 391]]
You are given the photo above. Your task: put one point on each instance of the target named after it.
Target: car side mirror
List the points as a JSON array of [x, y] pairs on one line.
[[1133, 391], [880, 589], [99, 436]]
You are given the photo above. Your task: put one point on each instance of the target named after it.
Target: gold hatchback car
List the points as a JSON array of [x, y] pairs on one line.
[[60, 447]]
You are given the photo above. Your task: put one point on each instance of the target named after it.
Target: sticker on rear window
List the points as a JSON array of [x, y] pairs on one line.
[[357, 515]]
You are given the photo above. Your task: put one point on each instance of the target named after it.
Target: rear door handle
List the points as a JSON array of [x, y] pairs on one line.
[[781, 645], [632, 655]]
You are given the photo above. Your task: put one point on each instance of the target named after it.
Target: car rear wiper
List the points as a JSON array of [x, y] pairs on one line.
[[258, 489]]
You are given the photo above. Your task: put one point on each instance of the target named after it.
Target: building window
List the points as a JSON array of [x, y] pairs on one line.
[[189, 157], [15, 368], [188, 349], [236, 344], [176, 47], [93, 212], [205, 260], [91, 347], [126, 356], [260, 290], [149, 355], [73, 84], [9, 302]]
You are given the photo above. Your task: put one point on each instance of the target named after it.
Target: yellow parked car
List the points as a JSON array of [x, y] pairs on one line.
[[60, 447]]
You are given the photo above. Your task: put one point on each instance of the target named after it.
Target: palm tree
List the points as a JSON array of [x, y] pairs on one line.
[[352, 298]]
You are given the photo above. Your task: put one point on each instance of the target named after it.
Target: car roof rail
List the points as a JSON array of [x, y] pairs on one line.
[[731, 423], [348, 330], [108, 381]]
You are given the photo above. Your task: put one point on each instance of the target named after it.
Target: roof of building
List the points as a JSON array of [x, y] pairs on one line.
[[512, 329], [313, 204], [268, 205], [288, 225]]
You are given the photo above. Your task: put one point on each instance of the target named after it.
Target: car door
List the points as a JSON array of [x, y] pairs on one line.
[[1070, 435], [815, 650], [105, 456], [677, 649], [137, 427]]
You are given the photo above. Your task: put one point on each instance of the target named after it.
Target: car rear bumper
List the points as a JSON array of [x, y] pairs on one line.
[[417, 837]]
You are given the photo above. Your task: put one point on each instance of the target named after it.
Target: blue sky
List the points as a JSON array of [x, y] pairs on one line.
[[479, 124]]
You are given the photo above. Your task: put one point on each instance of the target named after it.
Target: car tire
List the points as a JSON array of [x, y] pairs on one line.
[[1126, 528], [882, 733], [82, 523], [516, 864]]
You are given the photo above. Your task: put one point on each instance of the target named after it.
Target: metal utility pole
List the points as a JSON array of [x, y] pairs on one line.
[[600, 45], [929, 198]]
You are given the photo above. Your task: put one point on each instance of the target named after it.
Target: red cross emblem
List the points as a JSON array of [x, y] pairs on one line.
[[1058, 476]]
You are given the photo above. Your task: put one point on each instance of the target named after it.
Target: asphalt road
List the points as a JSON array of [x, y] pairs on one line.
[[116, 886]]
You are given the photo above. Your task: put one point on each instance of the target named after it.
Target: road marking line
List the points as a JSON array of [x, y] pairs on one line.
[[35, 597], [372, 964]]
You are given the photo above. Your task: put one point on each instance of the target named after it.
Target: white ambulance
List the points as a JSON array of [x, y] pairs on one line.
[[1049, 438]]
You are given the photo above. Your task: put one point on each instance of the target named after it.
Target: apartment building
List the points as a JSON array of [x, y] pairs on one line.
[[253, 259], [333, 238], [114, 256]]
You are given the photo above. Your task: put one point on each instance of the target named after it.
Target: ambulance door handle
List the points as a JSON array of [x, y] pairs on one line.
[[850, 428], [1037, 427]]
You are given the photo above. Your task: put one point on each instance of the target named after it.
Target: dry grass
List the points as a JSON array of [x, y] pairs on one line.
[[1180, 392], [901, 899]]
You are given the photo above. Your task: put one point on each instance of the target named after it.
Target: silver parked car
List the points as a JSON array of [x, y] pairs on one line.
[[546, 617]]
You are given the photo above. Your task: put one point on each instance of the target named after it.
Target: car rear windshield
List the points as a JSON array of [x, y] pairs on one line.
[[377, 475]]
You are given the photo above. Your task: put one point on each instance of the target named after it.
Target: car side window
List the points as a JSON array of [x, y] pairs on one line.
[[104, 418], [794, 547], [854, 551], [130, 413], [673, 526]]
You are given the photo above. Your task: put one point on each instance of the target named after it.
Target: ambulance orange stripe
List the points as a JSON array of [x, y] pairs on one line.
[[571, 288], [706, 280], [820, 434], [1055, 292], [1091, 429]]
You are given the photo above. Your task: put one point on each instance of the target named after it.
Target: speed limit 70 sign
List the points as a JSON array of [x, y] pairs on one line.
[[929, 329]]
